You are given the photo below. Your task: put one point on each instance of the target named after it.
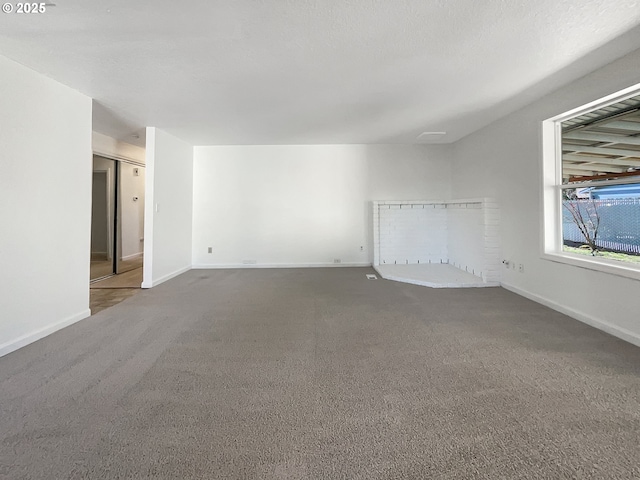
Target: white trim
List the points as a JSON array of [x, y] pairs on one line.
[[214, 266], [434, 202], [118, 158], [149, 214], [551, 248], [607, 327], [25, 340], [131, 257], [164, 278], [602, 265]]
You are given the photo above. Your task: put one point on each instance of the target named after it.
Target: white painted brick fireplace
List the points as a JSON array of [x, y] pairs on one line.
[[460, 233]]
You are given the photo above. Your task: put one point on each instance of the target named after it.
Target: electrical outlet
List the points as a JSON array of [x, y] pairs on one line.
[[362, 248], [521, 268], [337, 260], [210, 250]]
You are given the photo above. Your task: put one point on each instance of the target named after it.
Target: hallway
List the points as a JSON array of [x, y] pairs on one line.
[[115, 289]]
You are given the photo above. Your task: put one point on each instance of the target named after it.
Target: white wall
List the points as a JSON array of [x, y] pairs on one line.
[[112, 148], [503, 161], [474, 237], [45, 205], [303, 205], [132, 210], [413, 233], [465, 237], [168, 207]]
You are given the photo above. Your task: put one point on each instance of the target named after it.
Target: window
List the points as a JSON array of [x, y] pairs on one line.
[[591, 171]]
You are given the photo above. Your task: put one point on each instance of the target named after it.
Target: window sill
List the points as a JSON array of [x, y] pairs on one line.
[[597, 264]]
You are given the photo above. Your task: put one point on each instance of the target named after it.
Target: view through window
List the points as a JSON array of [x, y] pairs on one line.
[[600, 187]]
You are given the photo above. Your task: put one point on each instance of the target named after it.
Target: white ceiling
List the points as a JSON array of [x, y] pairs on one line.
[[316, 71]]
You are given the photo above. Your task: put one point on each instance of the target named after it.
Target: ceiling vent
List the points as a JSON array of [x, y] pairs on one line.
[[430, 137]]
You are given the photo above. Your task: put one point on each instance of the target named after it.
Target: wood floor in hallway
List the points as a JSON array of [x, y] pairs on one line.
[[113, 290]]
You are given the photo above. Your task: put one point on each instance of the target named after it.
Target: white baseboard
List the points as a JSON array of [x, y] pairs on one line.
[[131, 257], [611, 329], [164, 278], [24, 340], [204, 266]]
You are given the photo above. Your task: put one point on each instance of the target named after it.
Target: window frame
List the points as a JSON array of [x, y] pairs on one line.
[[551, 232]]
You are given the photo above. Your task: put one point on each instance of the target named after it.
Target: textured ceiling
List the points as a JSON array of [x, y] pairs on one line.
[[315, 71]]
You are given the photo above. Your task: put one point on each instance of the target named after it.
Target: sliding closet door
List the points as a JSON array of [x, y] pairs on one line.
[[103, 208]]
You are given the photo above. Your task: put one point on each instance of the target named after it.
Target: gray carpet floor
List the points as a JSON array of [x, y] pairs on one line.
[[321, 374]]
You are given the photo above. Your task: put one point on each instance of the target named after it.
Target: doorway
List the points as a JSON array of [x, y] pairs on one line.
[[117, 230], [103, 206]]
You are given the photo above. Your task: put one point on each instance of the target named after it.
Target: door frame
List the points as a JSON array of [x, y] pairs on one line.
[[113, 226]]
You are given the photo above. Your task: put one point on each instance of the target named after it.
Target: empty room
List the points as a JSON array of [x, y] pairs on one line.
[[320, 239]]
